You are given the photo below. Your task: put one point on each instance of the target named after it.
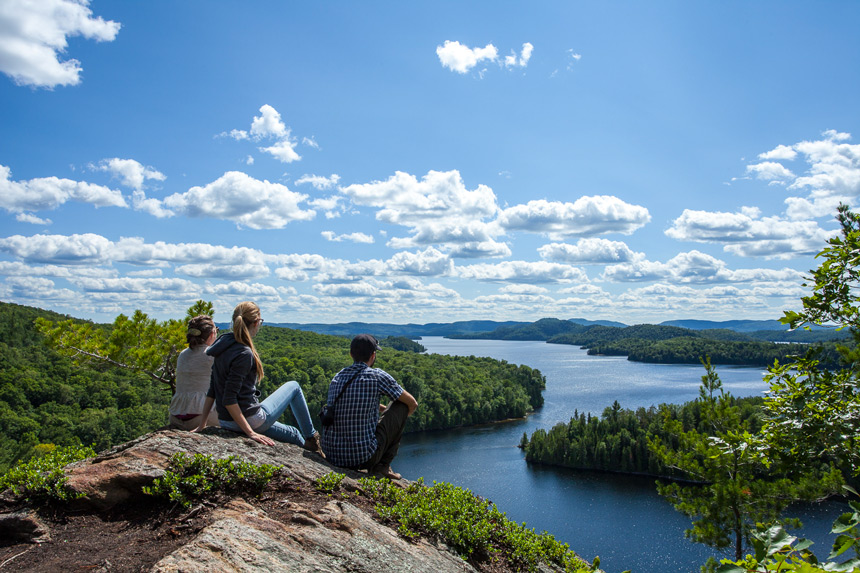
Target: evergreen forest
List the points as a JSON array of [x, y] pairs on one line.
[[47, 397]]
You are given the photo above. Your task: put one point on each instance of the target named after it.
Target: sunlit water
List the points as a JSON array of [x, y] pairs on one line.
[[619, 518]]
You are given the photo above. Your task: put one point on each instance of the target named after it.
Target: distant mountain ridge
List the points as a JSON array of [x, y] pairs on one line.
[[736, 325], [384, 329]]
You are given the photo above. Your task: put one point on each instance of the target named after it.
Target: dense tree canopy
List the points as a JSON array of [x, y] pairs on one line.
[[97, 387]]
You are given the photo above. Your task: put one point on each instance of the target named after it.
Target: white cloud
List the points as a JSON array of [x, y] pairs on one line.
[[523, 289], [770, 171], [30, 218], [833, 174], [235, 196], [427, 262], [61, 249], [540, 272], [460, 58], [588, 251], [310, 142], [695, 267], [586, 216], [268, 124], [34, 36], [222, 271], [779, 153], [351, 237], [51, 192], [438, 210], [284, 151], [131, 173], [319, 182], [748, 235], [512, 61]]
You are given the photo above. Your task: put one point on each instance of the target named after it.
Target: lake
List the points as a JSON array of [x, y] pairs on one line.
[[619, 518]]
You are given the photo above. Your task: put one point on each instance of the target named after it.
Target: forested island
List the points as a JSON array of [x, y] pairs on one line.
[[667, 344], [47, 398]]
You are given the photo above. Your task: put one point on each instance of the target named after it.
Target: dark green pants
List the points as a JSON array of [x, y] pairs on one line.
[[388, 433]]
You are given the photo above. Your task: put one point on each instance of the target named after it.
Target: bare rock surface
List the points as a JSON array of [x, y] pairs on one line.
[[339, 538]]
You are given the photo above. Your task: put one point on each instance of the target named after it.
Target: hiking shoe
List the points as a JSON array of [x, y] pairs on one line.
[[382, 470], [313, 444]]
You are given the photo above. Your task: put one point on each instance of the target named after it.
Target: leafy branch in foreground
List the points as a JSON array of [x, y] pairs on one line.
[[472, 526], [197, 476], [776, 550], [139, 343], [735, 491], [41, 478]]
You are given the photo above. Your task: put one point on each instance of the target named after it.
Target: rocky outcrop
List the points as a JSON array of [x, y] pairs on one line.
[[239, 536]]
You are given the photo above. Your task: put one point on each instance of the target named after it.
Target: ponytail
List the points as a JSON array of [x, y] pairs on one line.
[[245, 314]]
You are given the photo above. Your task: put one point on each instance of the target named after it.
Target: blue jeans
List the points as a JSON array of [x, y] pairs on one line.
[[290, 394]]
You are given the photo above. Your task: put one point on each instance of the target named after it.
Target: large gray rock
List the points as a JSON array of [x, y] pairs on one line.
[[118, 475], [339, 538]]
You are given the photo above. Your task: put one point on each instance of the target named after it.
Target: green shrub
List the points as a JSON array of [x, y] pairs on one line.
[[41, 478], [201, 476], [474, 527], [329, 482]]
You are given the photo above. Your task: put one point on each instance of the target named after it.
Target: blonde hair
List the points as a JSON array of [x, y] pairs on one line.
[[244, 315], [199, 329]]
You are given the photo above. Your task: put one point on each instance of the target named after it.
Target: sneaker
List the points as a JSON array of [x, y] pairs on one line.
[[313, 444], [381, 470]]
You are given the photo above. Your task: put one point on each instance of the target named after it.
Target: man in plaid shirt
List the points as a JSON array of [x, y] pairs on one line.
[[365, 434]]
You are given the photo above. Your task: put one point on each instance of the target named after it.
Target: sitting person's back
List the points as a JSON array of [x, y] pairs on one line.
[[365, 434]]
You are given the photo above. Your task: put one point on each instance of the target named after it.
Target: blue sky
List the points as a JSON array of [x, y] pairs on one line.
[[424, 161]]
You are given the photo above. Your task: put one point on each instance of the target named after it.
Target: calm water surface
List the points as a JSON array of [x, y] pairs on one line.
[[619, 518]]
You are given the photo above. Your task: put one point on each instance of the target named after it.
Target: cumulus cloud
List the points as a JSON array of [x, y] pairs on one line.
[[695, 267], [586, 216], [438, 209], [34, 37], [747, 234], [427, 262], [540, 272], [770, 171], [832, 175], [249, 202], [460, 58], [512, 61], [131, 173], [59, 249], [268, 126], [30, 218], [318, 181], [588, 251], [350, 237], [284, 151], [50, 192]]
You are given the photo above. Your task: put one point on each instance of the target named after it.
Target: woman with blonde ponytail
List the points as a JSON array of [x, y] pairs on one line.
[[233, 390]]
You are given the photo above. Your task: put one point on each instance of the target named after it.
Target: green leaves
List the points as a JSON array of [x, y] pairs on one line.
[[41, 478], [471, 525], [138, 343], [194, 477]]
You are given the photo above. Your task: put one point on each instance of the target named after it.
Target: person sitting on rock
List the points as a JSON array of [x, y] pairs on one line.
[[365, 434], [193, 374], [233, 389]]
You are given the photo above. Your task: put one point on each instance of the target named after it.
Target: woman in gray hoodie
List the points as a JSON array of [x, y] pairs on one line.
[[233, 390]]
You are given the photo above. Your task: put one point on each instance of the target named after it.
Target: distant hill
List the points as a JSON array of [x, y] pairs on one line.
[[383, 329], [736, 325], [585, 322]]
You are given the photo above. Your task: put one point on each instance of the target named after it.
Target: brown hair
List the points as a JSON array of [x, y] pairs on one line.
[[199, 329], [244, 315]]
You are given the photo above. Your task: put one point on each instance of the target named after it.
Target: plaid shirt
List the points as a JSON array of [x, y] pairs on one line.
[[351, 440]]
